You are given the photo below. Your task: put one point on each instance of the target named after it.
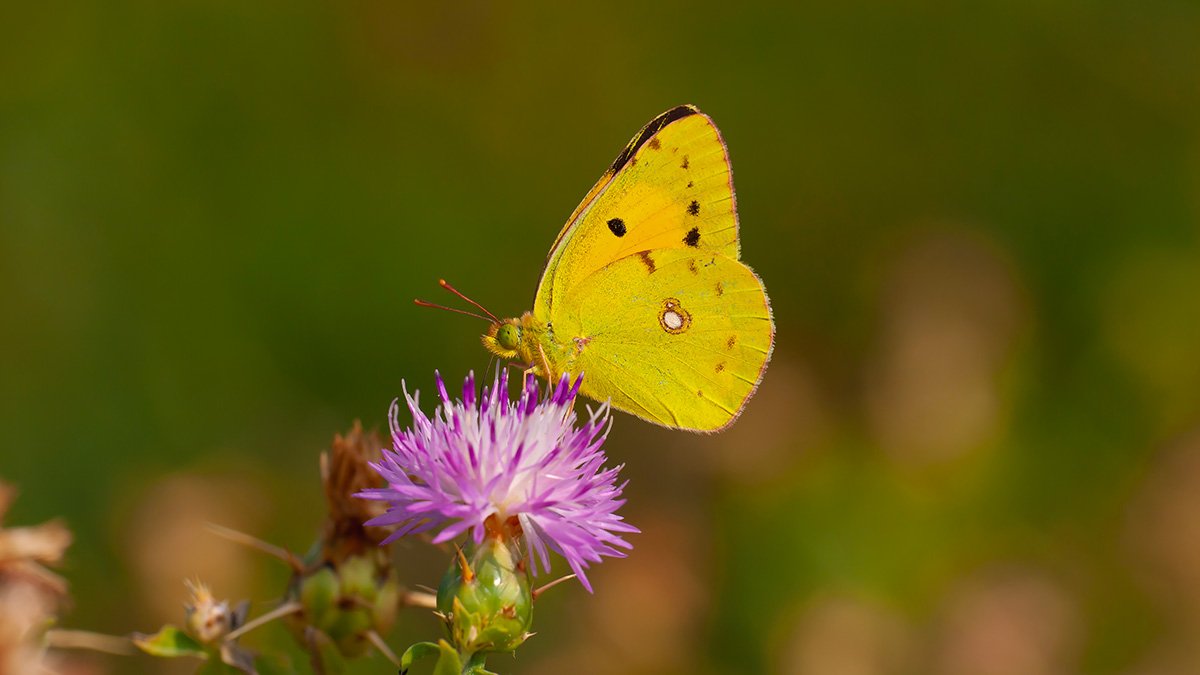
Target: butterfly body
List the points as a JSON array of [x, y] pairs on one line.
[[643, 290]]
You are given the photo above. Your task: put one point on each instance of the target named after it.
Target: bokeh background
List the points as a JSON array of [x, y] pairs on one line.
[[977, 448]]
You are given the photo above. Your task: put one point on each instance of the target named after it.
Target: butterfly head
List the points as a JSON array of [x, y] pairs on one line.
[[504, 338]]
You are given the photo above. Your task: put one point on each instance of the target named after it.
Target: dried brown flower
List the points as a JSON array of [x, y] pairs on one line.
[[24, 551], [345, 471], [30, 594]]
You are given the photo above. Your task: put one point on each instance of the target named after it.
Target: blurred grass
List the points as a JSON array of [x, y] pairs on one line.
[[214, 215]]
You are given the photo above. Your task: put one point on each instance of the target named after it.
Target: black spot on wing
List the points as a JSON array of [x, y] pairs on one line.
[[654, 144], [694, 208], [692, 238], [616, 226], [656, 125], [685, 164]]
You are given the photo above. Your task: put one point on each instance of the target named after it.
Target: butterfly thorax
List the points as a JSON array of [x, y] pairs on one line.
[[530, 341]]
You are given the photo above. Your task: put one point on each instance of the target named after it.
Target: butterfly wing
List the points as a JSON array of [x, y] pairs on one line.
[[671, 187], [676, 336]]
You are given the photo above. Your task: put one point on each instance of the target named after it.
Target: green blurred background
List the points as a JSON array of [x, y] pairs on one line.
[[977, 448]]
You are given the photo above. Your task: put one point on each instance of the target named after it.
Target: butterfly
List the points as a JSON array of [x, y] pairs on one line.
[[643, 292]]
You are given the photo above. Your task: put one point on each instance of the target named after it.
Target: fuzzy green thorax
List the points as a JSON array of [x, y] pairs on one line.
[[529, 341]]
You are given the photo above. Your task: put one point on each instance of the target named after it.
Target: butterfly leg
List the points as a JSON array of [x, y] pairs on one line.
[[542, 368], [526, 369], [545, 366]]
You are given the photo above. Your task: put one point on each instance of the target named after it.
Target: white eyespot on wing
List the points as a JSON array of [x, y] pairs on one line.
[[673, 317]]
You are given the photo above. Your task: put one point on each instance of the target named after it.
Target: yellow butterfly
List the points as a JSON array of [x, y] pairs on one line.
[[643, 292]]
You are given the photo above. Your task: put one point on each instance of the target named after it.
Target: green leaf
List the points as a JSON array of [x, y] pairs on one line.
[[415, 653], [169, 642], [448, 662], [475, 665]]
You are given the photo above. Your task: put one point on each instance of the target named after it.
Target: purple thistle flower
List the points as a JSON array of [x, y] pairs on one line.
[[478, 463]]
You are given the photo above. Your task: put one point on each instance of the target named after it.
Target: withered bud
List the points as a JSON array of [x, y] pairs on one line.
[[25, 550], [208, 619], [345, 471]]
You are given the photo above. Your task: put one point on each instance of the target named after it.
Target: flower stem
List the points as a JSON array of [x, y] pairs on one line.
[[59, 638], [280, 611], [418, 599], [550, 585], [383, 648], [257, 544]]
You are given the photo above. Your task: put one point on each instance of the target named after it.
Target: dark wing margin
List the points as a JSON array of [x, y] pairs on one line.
[[648, 131]]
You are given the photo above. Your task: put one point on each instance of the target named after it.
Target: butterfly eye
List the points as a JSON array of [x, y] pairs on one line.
[[508, 336]]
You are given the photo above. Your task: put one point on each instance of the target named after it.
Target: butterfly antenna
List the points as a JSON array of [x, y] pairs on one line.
[[425, 303], [444, 284]]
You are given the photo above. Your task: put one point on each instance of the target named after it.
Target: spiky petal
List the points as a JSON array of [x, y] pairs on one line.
[[476, 459]]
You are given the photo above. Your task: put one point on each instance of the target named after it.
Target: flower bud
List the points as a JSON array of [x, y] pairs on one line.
[[207, 619], [485, 598], [347, 602]]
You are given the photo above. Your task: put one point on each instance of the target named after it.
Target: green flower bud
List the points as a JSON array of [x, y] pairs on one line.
[[485, 598], [348, 602]]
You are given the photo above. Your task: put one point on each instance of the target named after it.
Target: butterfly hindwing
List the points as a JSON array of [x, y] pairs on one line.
[[686, 345], [671, 187]]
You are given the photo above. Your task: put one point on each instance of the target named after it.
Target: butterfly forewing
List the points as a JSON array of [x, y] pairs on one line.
[[670, 188]]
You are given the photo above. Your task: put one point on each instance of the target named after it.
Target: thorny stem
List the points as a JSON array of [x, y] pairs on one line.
[[314, 650], [59, 638], [407, 599], [258, 544], [418, 599], [550, 585], [280, 611], [383, 648]]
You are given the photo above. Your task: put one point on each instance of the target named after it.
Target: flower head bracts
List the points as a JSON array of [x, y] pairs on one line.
[[476, 463]]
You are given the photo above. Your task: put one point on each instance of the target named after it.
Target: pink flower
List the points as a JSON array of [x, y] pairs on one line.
[[522, 459]]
